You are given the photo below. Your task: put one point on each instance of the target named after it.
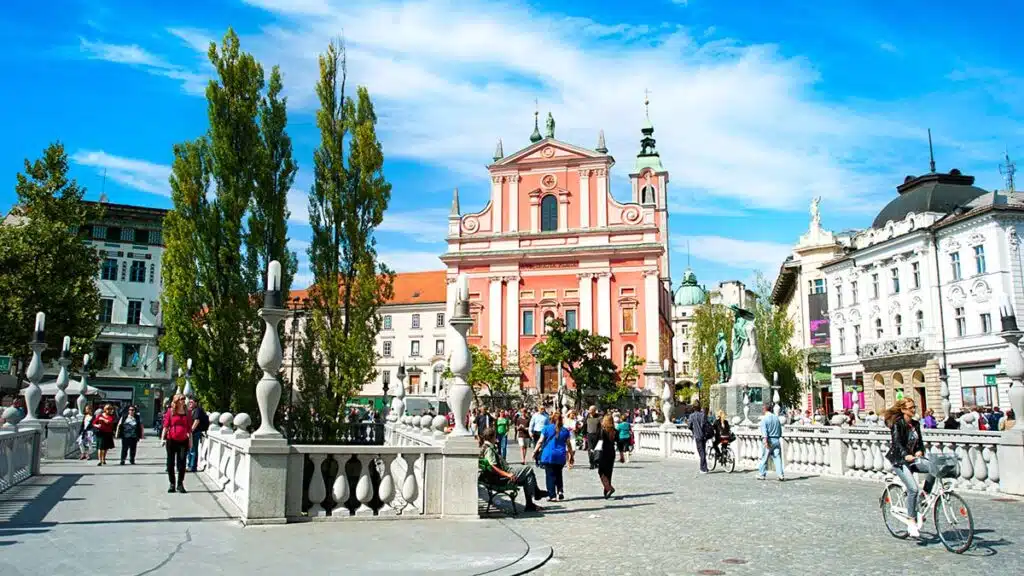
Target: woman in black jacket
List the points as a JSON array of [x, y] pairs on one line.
[[129, 430], [906, 453], [723, 433]]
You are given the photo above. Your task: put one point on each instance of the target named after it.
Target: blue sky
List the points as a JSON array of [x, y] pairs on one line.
[[756, 111]]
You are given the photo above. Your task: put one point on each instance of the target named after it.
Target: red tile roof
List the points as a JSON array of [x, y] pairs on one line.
[[409, 288]]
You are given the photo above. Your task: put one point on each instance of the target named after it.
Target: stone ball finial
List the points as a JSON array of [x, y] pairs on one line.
[[11, 417], [68, 413], [425, 421], [214, 420], [226, 420], [242, 423]]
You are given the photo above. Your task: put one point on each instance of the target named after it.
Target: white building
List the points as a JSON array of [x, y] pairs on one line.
[[687, 298], [917, 297], [414, 326], [126, 361]]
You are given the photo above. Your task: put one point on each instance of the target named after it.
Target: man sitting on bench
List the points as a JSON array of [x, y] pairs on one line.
[[520, 475]]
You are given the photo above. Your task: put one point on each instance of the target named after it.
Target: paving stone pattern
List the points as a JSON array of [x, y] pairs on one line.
[[665, 518]]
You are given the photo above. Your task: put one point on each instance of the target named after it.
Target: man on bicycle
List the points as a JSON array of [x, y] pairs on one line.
[[906, 454]]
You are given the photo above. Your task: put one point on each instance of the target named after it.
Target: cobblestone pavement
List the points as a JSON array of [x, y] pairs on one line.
[[665, 518]]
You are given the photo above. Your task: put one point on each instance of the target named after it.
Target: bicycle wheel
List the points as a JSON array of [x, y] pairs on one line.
[[953, 522], [894, 496], [730, 460], [712, 463]]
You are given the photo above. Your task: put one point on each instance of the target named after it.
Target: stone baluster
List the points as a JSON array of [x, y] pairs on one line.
[[460, 361], [397, 412], [242, 422], [80, 402], [667, 396], [980, 469], [317, 490], [61, 397], [966, 466], [386, 490], [340, 489], [409, 488], [364, 487], [268, 390], [35, 373], [879, 463], [991, 456], [189, 393]]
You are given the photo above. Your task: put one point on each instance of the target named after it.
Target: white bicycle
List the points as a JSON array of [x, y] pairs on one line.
[[950, 513]]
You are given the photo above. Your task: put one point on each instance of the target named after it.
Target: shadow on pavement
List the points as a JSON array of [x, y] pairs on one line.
[[37, 506], [626, 496]]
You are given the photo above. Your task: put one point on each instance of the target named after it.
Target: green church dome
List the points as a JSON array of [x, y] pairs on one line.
[[690, 293]]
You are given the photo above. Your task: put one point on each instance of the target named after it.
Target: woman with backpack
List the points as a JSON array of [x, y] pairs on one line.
[[177, 440]]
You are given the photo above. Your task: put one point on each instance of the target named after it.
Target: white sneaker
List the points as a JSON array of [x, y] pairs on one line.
[[912, 529]]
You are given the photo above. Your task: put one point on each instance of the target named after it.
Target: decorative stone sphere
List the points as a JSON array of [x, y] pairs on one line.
[[12, 416], [736, 420], [226, 419], [68, 413], [214, 418], [242, 421], [425, 421], [439, 422], [839, 419]]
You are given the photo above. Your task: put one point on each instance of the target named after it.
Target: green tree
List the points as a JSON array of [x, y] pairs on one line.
[[774, 330], [44, 263], [626, 383], [210, 311], [500, 372], [582, 356], [346, 204], [708, 320]]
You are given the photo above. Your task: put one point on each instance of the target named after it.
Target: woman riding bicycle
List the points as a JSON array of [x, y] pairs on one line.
[[906, 453], [723, 434]]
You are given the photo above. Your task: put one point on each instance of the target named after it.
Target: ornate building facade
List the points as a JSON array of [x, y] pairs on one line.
[[553, 242]]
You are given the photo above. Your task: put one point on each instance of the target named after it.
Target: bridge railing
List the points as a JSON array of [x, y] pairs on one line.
[[20, 452], [989, 461]]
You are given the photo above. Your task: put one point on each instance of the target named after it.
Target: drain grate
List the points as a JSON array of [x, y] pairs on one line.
[[734, 561]]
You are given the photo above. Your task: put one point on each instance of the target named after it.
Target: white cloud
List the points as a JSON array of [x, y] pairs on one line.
[[130, 172], [427, 226], [766, 256], [121, 54], [411, 260]]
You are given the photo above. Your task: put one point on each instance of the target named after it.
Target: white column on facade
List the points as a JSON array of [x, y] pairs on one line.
[[604, 304], [513, 203], [534, 213], [602, 197], [584, 198], [563, 212], [496, 200], [586, 315], [652, 327], [512, 314], [494, 313]]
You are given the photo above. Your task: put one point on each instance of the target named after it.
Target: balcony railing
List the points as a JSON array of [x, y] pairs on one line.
[[897, 347]]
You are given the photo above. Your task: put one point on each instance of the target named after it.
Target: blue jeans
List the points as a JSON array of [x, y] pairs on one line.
[[503, 445], [775, 449], [553, 475], [906, 475], [193, 454]]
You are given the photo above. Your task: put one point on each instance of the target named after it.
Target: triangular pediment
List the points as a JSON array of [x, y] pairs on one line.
[[548, 150]]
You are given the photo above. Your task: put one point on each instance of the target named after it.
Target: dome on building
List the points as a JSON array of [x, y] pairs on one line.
[[689, 293], [933, 192]]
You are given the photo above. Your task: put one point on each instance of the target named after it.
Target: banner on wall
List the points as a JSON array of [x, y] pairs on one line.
[[817, 313]]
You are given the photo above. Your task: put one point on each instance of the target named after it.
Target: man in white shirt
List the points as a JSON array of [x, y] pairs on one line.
[[537, 424]]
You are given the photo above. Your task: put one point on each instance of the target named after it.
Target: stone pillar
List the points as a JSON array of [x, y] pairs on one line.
[[513, 203], [512, 314], [563, 211], [35, 373], [1011, 462], [652, 324], [84, 385], [584, 198], [604, 304], [188, 391], [602, 197], [496, 212], [494, 313], [586, 317], [460, 361], [534, 212], [268, 390]]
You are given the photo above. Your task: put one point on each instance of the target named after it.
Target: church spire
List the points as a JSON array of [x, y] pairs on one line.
[[498, 152], [536, 137], [600, 143], [455, 203], [648, 156]]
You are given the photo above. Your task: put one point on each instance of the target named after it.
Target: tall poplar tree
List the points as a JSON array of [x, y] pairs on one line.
[[346, 203], [241, 168]]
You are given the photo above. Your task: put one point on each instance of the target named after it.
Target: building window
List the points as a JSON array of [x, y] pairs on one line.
[[130, 356], [475, 328], [108, 271], [839, 296], [879, 332], [528, 322], [387, 348], [842, 340], [628, 320], [856, 337], [895, 273], [414, 348], [874, 286], [134, 311], [415, 321], [387, 322], [954, 262], [979, 395], [686, 367], [386, 379], [817, 286], [127, 234], [138, 272], [570, 319], [686, 347], [439, 347], [919, 321], [549, 213], [440, 320], [99, 232], [647, 195], [152, 272], [106, 310], [961, 322], [897, 324], [853, 292], [979, 258], [986, 323], [915, 269]]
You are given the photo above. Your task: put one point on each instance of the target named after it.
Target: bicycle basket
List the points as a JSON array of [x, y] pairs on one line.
[[945, 466]]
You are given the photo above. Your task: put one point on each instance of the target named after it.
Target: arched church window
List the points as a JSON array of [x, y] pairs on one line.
[[549, 213], [647, 195]]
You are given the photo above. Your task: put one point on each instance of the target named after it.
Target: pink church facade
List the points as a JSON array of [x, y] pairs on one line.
[[553, 242]]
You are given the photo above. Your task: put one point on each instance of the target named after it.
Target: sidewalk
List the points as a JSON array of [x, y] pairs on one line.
[[78, 518]]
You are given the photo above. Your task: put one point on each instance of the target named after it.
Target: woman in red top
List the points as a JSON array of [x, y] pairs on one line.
[[177, 437], [103, 425]]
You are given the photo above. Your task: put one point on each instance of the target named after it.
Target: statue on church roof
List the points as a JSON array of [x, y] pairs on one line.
[[550, 126], [815, 214]]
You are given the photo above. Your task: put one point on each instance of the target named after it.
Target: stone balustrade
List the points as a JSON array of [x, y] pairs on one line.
[[60, 440], [20, 451], [989, 461]]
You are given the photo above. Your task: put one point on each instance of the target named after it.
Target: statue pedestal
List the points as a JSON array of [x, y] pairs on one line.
[[729, 396]]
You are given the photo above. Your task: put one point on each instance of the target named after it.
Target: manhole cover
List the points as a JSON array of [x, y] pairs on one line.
[[734, 561], [1005, 500], [711, 572]]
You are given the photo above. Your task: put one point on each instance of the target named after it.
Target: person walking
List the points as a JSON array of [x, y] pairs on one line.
[[522, 476], [593, 435], [1008, 422], [537, 424], [104, 424], [625, 432], [129, 430], [521, 421], [200, 423], [906, 454], [723, 433], [771, 432], [501, 430], [87, 439], [554, 449], [702, 432], [929, 419], [177, 439], [604, 448]]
